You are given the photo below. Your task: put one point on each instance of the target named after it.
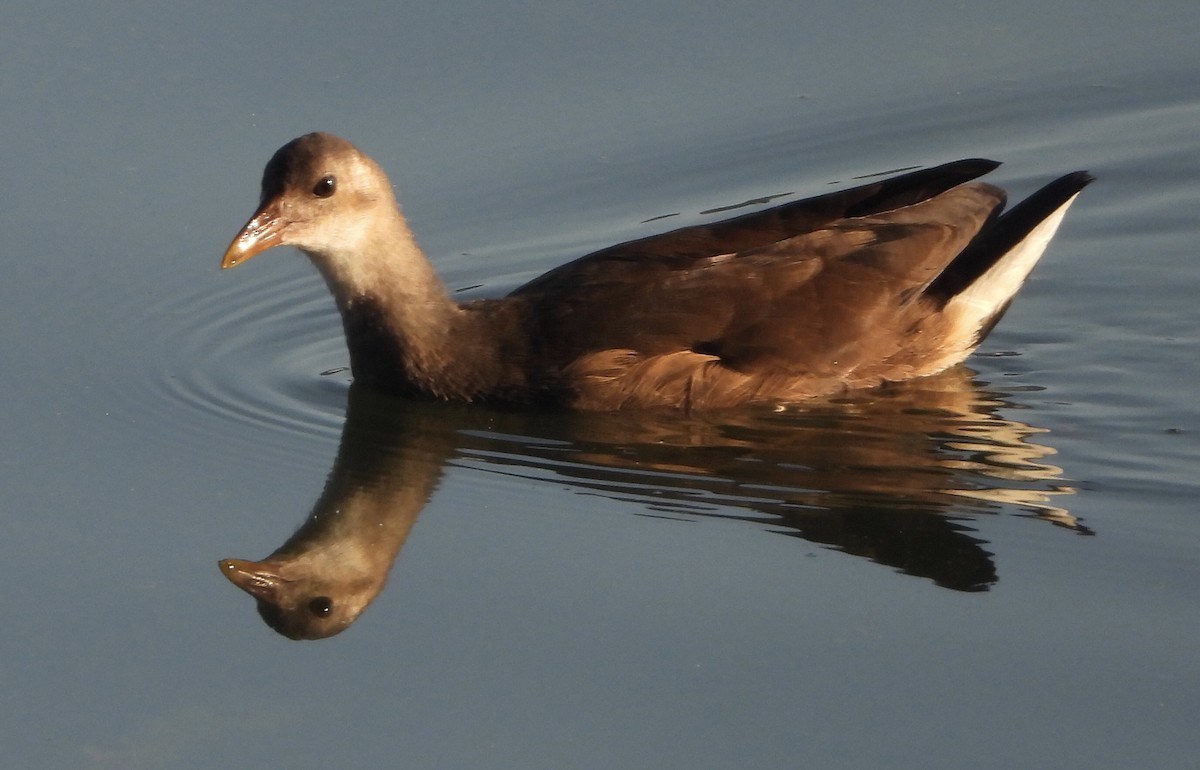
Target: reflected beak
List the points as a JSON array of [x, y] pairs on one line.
[[252, 578], [262, 232]]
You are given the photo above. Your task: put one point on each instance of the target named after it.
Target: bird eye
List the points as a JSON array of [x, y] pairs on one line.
[[325, 187], [320, 606]]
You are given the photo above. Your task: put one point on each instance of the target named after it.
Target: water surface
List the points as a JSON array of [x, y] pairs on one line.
[[996, 567]]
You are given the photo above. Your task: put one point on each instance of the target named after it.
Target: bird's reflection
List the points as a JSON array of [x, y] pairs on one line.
[[894, 475]]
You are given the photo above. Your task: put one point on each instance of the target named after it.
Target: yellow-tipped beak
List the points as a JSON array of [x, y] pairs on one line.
[[262, 232], [252, 577]]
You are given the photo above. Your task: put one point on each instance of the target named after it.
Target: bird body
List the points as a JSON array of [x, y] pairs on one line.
[[895, 279]]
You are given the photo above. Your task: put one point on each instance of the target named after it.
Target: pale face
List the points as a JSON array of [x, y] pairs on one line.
[[323, 196]]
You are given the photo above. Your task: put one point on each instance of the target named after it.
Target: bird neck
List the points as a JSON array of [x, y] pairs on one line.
[[403, 332]]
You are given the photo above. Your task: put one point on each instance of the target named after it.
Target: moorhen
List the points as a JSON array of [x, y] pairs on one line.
[[895, 279]]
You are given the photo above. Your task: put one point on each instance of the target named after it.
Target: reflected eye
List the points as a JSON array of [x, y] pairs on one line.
[[320, 606], [325, 187]]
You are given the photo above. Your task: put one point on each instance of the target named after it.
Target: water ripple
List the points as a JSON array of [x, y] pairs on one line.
[[258, 360]]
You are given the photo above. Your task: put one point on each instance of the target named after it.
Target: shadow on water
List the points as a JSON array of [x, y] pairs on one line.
[[894, 475]]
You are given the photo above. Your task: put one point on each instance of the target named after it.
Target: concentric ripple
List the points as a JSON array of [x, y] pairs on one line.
[[249, 359]]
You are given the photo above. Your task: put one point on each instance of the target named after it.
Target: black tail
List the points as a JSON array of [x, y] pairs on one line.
[[1000, 235]]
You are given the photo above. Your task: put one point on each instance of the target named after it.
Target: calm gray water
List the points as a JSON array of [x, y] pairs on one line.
[[994, 568]]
